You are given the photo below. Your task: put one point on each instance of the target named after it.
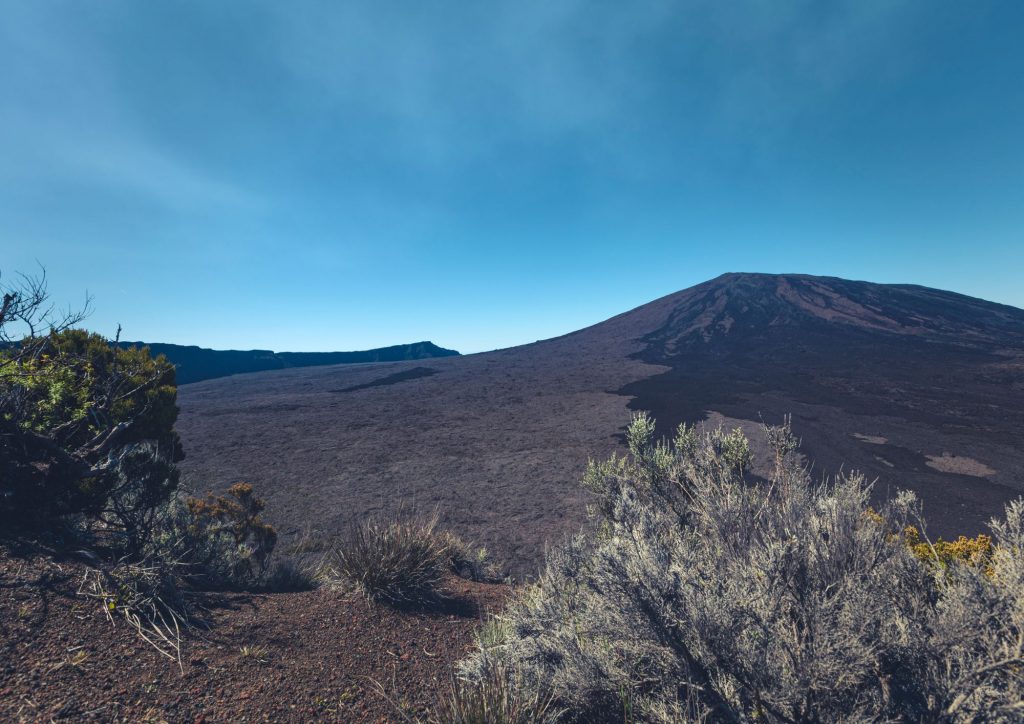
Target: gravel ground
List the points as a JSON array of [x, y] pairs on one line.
[[313, 656]]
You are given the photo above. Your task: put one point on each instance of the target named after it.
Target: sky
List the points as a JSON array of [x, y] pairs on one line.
[[304, 176]]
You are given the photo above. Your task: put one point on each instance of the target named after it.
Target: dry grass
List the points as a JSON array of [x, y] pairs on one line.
[[496, 698], [254, 652], [289, 576], [149, 599], [404, 560], [400, 562]]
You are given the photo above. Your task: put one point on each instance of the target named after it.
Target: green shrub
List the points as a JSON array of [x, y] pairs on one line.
[[88, 429], [88, 452], [975, 551]]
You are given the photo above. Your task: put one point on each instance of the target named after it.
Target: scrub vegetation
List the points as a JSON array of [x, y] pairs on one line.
[[697, 595], [696, 592], [88, 452], [404, 561]]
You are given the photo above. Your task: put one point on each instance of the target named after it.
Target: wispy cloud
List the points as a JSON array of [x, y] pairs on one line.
[[456, 79], [64, 119]]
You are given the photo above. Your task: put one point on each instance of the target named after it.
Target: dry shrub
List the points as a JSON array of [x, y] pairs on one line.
[[404, 560], [150, 595], [699, 596], [237, 515], [401, 562]]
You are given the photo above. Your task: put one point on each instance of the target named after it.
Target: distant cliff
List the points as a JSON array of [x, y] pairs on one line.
[[197, 363]]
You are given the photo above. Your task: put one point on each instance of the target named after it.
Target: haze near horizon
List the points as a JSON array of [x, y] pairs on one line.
[[306, 176]]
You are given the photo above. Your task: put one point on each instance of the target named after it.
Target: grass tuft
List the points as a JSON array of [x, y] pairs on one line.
[[497, 697], [400, 562], [254, 652], [288, 576]]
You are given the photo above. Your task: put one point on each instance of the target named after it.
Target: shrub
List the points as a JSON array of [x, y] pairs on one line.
[[696, 595], [237, 516], [217, 543], [402, 562], [87, 455], [966, 551], [201, 557], [87, 427]]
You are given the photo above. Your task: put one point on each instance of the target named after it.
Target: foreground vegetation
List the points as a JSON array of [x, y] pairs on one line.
[[88, 454], [694, 595], [404, 560], [698, 596]]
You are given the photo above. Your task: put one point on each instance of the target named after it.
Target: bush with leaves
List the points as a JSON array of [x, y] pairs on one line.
[[235, 518], [221, 542], [699, 596], [86, 428], [88, 448]]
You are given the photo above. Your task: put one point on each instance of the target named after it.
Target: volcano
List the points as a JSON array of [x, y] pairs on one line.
[[914, 387]]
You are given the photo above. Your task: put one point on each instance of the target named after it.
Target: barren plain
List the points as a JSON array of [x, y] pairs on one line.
[[885, 379]]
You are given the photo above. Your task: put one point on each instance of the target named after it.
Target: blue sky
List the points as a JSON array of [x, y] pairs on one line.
[[345, 175]]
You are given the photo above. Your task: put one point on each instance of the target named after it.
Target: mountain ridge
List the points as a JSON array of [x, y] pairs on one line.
[[195, 364]]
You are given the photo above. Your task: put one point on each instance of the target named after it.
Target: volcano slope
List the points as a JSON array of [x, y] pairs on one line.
[[915, 387]]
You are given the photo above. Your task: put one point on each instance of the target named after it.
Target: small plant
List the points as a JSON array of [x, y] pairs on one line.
[[467, 561], [976, 552], [289, 576], [498, 697], [237, 515], [492, 632], [398, 562], [256, 653], [78, 658]]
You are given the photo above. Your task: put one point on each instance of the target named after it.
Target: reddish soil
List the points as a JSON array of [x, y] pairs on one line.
[[313, 656]]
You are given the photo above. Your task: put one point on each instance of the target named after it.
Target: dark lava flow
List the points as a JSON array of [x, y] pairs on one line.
[[869, 358]]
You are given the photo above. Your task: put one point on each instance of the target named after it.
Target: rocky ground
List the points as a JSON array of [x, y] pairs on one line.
[[321, 655]]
